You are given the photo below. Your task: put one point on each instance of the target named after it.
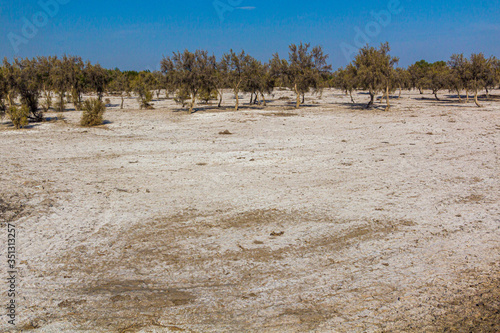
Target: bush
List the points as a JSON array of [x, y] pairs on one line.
[[93, 111], [207, 95], [181, 97], [145, 99], [19, 116]]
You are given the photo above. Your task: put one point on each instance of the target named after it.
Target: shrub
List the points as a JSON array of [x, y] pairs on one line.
[[181, 97], [93, 111], [207, 95], [19, 116], [145, 99], [107, 101]]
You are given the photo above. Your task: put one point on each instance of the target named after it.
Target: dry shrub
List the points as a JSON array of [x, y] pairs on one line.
[[93, 111], [19, 116], [145, 100]]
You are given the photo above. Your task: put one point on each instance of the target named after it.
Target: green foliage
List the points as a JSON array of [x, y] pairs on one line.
[[96, 78], [18, 115], [181, 96], [375, 71], [437, 77], [206, 95], [304, 70], [345, 79], [142, 84], [93, 112], [419, 74], [190, 72]]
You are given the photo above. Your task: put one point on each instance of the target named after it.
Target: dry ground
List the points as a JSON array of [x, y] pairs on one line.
[[330, 218]]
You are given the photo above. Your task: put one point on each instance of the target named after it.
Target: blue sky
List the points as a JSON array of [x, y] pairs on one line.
[[136, 34]]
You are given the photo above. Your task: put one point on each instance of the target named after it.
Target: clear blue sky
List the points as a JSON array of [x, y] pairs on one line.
[[136, 34]]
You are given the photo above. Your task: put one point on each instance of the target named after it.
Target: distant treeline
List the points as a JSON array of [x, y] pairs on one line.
[[191, 77]]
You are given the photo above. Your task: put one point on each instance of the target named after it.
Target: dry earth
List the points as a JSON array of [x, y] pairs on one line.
[[330, 218]]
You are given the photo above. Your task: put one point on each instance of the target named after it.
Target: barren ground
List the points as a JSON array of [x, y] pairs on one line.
[[330, 218]]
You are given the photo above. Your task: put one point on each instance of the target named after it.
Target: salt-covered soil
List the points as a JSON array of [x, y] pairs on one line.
[[330, 218]]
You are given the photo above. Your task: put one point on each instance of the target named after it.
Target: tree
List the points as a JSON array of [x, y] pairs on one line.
[[143, 84], [4, 91], [220, 79], [96, 78], [345, 80], [480, 69], [68, 75], [120, 84], [237, 66], [437, 77], [419, 75], [9, 74], [402, 80], [190, 72], [258, 81], [459, 74], [304, 70], [375, 71], [28, 83], [265, 81], [77, 79], [492, 78], [159, 83], [45, 68]]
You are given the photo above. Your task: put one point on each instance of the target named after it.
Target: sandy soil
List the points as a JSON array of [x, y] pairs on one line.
[[330, 218]]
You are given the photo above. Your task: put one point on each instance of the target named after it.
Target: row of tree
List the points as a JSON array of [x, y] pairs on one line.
[[198, 76], [375, 70]]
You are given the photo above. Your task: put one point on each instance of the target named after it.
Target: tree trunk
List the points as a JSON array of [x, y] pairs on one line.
[[10, 99], [121, 106], [191, 106], [220, 99], [61, 100], [459, 97], [475, 99], [263, 99], [303, 98], [372, 97], [297, 105], [352, 99], [399, 96], [387, 98], [251, 98], [487, 93], [236, 92], [435, 95], [467, 93], [420, 90]]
